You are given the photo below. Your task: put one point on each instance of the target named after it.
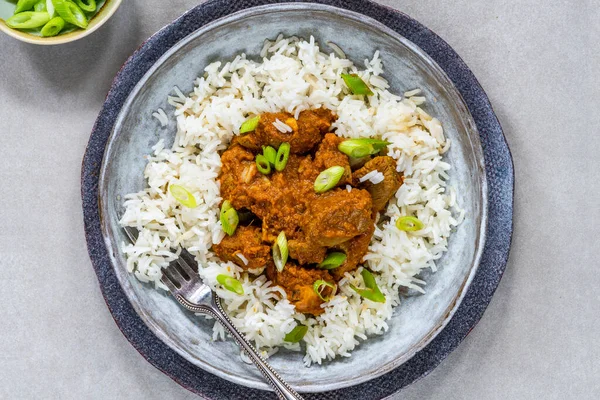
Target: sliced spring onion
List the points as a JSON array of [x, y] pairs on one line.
[[40, 6], [225, 206], [358, 148], [356, 84], [280, 251], [409, 224], [263, 165], [271, 154], [333, 260], [320, 285], [250, 124], [25, 5], [28, 20], [283, 153], [50, 8], [372, 291], [183, 196], [53, 27], [231, 284], [71, 13], [328, 179], [229, 218], [87, 5], [296, 334]]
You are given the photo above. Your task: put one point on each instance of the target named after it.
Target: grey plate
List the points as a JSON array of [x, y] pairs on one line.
[[419, 319]]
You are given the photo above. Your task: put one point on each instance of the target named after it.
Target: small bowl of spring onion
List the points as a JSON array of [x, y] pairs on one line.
[[49, 22]]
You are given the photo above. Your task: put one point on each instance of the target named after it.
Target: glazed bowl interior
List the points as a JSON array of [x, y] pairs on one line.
[[107, 9], [419, 318]]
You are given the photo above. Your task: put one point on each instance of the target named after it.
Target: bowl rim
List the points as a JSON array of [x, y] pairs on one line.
[[467, 118], [110, 6]]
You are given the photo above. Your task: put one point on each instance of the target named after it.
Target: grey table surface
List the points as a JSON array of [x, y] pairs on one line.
[[538, 62]]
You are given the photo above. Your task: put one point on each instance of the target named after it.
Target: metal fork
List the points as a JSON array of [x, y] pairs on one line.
[[185, 285]]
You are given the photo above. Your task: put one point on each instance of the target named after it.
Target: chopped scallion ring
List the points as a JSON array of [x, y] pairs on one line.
[[263, 165], [25, 5], [53, 27], [333, 260], [250, 124], [328, 179], [271, 154], [280, 251], [358, 148], [409, 224], [71, 13], [320, 285], [224, 207], [356, 84], [372, 291], [231, 284], [50, 8], [87, 5], [28, 20], [283, 153], [229, 218], [183, 196], [296, 334], [40, 6]]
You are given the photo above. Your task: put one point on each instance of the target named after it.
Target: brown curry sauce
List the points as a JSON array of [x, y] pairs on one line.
[[314, 224]]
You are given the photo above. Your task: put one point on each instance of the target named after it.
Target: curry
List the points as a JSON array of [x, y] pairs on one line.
[[284, 202]]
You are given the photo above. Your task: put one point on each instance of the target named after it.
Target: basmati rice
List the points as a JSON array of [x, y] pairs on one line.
[[294, 75]]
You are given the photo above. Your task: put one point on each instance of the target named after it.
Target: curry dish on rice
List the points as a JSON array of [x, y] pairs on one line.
[[315, 223]]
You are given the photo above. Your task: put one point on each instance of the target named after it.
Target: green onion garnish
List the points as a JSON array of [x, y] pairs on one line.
[[28, 20], [356, 84], [25, 5], [296, 334], [320, 285], [53, 27], [328, 179], [333, 260], [71, 13], [409, 224], [40, 6], [372, 291], [50, 8], [263, 165], [183, 196], [270, 153], [87, 5], [224, 207], [280, 251], [231, 284], [283, 153], [358, 148], [250, 124], [229, 218]]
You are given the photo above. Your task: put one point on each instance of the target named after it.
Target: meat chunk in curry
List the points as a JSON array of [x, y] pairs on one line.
[[298, 284], [247, 242], [306, 132], [381, 192], [314, 224]]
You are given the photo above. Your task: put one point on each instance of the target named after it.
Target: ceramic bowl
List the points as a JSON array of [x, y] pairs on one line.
[[106, 11], [420, 318]]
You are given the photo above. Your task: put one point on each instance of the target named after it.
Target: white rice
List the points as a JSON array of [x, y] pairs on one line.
[[161, 116], [374, 177], [294, 75], [282, 126], [243, 258]]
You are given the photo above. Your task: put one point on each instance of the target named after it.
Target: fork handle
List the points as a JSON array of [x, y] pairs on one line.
[[283, 390]]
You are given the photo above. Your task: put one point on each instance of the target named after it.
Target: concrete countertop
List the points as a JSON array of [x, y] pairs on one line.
[[538, 62]]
